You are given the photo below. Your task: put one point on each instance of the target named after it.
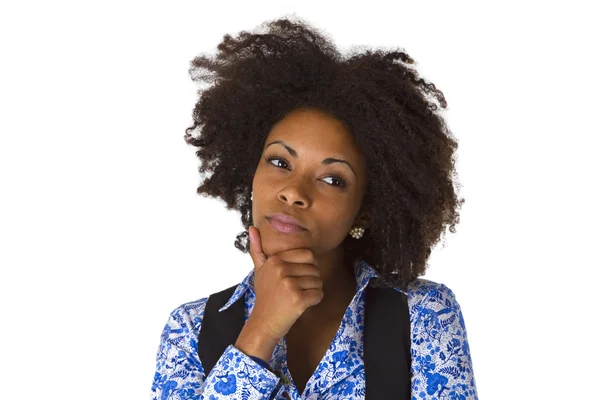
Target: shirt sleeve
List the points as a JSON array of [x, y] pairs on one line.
[[179, 373], [442, 365]]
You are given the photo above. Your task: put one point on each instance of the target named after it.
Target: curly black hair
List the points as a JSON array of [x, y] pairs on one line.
[[257, 78]]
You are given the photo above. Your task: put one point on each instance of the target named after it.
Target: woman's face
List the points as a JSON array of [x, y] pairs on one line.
[[296, 176]]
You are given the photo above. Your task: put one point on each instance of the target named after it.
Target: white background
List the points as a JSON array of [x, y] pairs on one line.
[[103, 235]]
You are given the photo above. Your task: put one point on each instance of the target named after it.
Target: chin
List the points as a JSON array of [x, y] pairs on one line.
[[274, 242]]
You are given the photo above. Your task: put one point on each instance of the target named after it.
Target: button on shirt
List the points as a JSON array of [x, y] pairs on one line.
[[441, 365]]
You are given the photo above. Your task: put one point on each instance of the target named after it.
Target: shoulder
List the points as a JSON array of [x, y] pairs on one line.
[[178, 366], [434, 304], [185, 321], [422, 290], [440, 352]]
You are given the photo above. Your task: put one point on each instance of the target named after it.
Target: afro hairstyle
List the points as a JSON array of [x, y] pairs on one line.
[[256, 78]]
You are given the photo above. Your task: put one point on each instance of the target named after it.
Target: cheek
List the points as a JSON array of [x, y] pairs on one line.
[[335, 221], [260, 181]]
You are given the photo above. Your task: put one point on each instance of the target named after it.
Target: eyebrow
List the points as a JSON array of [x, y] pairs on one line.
[[326, 161]]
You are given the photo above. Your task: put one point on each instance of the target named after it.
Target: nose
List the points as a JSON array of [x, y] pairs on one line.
[[292, 196]]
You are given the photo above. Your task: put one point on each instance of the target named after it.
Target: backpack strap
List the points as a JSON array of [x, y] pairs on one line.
[[219, 329], [386, 345]]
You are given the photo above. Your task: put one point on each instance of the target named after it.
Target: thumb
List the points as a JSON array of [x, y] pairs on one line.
[[256, 251]]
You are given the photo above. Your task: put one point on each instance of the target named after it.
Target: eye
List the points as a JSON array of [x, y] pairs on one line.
[[341, 183], [269, 159]]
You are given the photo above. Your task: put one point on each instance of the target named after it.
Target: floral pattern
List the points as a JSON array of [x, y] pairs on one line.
[[441, 361]]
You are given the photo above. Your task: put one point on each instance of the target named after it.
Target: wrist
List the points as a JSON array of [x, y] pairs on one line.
[[254, 342]]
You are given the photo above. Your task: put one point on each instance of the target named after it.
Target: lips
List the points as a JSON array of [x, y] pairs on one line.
[[285, 223]]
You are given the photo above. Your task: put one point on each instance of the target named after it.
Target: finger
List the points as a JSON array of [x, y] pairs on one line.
[[307, 282], [303, 270], [256, 251], [313, 296], [299, 255]]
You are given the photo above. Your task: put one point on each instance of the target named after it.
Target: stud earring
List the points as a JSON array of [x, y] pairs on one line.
[[251, 195], [357, 231]]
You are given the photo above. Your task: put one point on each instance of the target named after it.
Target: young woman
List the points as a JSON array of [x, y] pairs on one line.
[[342, 171]]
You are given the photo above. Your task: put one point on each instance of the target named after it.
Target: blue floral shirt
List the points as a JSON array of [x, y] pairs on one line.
[[441, 366]]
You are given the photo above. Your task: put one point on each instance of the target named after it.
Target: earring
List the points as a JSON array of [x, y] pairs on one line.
[[357, 231], [251, 195]]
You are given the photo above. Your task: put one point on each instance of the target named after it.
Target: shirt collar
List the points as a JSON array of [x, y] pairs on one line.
[[363, 272]]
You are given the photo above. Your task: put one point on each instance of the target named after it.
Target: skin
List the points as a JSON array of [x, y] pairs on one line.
[[304, 188]]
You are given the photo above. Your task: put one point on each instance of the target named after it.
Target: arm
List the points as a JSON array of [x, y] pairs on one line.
[[179, 373], [442, 365]]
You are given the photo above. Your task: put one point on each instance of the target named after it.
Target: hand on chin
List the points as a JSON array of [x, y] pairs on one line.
[[274, 242]]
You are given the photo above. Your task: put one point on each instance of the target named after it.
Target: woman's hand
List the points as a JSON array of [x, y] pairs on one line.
[[286, 284]]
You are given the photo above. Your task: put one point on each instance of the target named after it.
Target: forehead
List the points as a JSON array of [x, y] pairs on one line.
[[314, 131]]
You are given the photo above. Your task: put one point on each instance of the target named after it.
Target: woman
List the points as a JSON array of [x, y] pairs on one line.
[[343, 174]]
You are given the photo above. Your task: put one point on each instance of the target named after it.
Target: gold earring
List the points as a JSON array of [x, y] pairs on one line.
[[357, 231]]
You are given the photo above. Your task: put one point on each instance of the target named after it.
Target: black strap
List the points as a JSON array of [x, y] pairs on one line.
[[219, 329], [386, 338], [386, 344]]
